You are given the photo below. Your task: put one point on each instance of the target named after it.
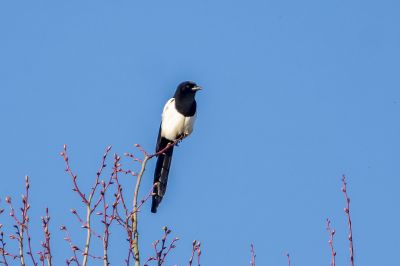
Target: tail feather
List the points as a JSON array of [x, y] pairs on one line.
[[161, 172]]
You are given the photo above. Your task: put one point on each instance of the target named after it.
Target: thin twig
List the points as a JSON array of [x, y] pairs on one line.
[[30, 246], [161, 255], [347, 211], [46, 244], [2, 249], [73, 247], [3, 244], [89, 209], [253, 256], [331, 235], [108, 221], [22, 225], [198, 253], [135, 240], [25, 218], [106, 230], [195, 249], [87, 201], [127, 222], [124, 222], [73, 176], [19, 226]]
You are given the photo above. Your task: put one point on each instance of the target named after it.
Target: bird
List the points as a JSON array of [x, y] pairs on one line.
[[177, 121]]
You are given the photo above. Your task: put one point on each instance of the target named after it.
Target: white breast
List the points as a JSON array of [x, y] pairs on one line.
[[174, 124]]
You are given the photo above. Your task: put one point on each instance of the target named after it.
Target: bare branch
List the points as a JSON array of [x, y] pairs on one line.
[[46, 243], [331, 235], [135, 240], [3, 251], [288, 258], [73, 176], [87, 201], [22, 225], [134, 233], [195, 249], [347, 211], [253, 256], [160, 255]]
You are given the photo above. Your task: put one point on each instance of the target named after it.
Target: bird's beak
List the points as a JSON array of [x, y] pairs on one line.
[[197, 88]]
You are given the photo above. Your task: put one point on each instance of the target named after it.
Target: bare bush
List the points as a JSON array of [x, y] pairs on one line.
[[106, 203]]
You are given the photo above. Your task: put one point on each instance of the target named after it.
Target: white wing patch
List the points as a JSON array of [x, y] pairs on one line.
[[174, 124]]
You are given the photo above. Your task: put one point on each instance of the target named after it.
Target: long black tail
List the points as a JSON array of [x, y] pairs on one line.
[[161, 172]]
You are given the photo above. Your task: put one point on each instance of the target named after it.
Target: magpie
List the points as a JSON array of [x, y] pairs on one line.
[[177, 120]]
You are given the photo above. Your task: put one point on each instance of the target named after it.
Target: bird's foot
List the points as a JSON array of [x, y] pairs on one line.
[[180, 138]]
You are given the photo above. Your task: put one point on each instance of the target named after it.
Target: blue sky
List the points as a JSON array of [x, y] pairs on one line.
[[296, 93]]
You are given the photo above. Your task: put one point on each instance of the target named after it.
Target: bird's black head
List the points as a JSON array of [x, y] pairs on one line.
[[184, 98], [187, 89]]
